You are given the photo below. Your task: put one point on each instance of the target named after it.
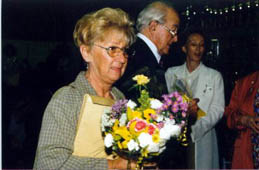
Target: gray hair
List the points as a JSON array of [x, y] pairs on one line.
[[155, 11]]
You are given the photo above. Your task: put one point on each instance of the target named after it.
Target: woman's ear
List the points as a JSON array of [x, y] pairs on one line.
[[85, 52], [184, 49]]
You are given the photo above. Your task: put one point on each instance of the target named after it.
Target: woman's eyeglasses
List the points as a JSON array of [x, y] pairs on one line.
[[114, 51]]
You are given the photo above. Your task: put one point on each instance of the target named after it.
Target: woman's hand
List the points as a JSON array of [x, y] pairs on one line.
[[250, 122], [193, 107], [121, 163]]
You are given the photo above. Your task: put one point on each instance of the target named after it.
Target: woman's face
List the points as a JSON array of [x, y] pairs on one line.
[[103, 67], [194, 47]]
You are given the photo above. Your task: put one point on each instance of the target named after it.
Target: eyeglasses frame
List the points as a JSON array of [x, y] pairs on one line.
[[126, 55]]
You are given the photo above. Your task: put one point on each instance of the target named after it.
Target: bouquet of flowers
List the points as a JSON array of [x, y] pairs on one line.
[[140, 130]]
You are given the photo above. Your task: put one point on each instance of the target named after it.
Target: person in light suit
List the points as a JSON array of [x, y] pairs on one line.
[[207, 85]]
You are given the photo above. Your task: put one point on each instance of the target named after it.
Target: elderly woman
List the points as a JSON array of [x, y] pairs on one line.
[[207, 85], [103, 38]]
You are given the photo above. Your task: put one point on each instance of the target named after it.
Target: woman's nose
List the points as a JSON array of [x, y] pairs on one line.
[[122, 57]]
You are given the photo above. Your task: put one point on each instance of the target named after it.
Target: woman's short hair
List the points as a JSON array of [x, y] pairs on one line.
[[155, 11], [94, 26], [185, 36]]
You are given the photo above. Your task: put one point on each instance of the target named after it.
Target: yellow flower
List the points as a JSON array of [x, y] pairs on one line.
[[144, 152], [124, 144], [155, 138], [133, 114], [148, 112], [186, 98], [141, 79], [123, 132], [119, 144], [116, 125]]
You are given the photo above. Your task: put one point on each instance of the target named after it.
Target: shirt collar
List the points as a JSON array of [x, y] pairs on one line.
[[151, 45]]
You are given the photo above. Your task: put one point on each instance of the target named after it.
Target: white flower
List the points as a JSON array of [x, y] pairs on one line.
[[153, 147], [108, 140], [170, 130], [164, 133], [159, 118], [162, 143], [132, 145], [123, 119], [162, 149], [144, 139], [155, 104], [170, 121], [106, 121], [175, 130], [131, 104]]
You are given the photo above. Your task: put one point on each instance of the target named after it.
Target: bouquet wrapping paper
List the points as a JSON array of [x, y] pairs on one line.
[[89, 141]]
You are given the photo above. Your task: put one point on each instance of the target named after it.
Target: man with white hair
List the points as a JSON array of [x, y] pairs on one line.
[[157, 26]]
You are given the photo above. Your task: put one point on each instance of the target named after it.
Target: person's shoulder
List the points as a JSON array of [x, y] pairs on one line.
[[173, 69], [211, 71], [67, 94], [118, 93], [249, 77]]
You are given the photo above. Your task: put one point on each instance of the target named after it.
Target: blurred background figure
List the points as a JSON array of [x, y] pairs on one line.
[[207, 85], [243, 116]]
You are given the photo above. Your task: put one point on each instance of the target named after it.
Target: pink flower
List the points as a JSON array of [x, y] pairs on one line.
[[151, 129], [184, 106], [179, 99], [184, 114], [174, 108], [153, 116], [176, 94], [140, 125], [160, 125]]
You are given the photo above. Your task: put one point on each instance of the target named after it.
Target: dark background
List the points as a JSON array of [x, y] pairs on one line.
[[38, 57]]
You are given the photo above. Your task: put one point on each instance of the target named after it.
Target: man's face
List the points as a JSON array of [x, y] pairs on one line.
[[162, 37]]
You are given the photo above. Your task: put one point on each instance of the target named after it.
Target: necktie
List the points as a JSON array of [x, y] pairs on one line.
[[161, 63]]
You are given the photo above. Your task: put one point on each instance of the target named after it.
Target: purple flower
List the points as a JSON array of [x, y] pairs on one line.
[[119, 107], [184, 106], [174, 108], [179, 99]]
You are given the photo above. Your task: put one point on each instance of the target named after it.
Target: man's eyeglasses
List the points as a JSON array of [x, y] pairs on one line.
[[114, 51], [172, 32]]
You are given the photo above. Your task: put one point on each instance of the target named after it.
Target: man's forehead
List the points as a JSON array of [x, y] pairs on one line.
[[172, 18]]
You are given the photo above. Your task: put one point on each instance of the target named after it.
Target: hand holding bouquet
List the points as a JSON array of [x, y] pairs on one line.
[[140, 131], [182, 87]]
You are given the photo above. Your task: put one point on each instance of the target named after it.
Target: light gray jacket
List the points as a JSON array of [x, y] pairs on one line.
[[208, 86]]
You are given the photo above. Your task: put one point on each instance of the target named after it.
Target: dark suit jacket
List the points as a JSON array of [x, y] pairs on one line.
[[143, 62]]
